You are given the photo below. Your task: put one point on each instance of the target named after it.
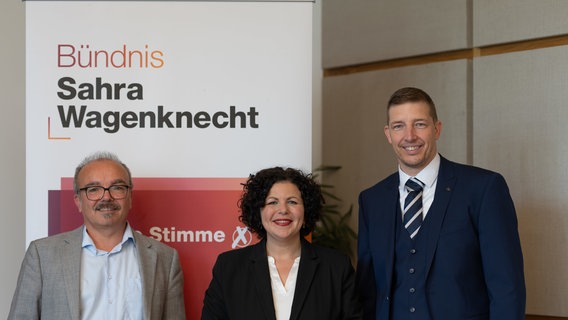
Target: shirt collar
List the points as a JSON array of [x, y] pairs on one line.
[[90, 245], [428, 175]]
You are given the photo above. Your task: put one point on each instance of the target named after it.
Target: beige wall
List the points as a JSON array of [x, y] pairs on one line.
[[519, 124], [502, 106], [358, 31], [12, 146]]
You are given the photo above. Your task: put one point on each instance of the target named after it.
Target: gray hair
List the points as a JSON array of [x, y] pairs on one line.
[[99, 155]]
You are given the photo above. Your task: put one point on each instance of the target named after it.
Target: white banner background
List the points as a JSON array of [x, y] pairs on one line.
[[255, 56]]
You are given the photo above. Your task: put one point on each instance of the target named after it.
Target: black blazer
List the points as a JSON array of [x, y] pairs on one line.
[[241, 287]]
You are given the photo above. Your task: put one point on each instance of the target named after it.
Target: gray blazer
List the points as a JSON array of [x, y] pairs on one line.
[[49, 280]]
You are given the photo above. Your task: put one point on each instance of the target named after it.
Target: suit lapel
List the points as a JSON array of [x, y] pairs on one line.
[[388, 201], [70, 259], [259, 268], [147, 269], [437, 212], [308, 265]]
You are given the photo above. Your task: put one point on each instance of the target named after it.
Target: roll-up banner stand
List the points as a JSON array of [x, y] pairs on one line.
[[192, 95]]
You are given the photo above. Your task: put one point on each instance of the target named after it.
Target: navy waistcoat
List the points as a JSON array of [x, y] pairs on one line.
[[409, 299]]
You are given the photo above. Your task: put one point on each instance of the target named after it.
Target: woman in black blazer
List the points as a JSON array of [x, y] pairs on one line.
[[283, 276]]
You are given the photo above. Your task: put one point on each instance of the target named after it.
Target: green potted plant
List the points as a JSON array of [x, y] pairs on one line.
[[333, 229]]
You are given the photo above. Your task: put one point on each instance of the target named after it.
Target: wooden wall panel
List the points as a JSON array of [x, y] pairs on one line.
[[534, 317], [359, 31], [506, 21], [519, 129], [513, 57]]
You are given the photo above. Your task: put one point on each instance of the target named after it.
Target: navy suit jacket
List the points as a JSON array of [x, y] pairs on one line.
[[241, 286], [474, 263]]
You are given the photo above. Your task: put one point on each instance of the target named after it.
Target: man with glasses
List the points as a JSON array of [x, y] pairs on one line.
[[104, 269]]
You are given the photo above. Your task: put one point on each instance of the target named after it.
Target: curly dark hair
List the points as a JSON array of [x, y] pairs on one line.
[[257, 187]]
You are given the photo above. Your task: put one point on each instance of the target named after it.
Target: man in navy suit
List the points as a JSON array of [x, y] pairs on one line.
[[464, 259]]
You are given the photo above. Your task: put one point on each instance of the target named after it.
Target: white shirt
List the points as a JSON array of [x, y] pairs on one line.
[[111, 287], [283, 295], [428, 176]]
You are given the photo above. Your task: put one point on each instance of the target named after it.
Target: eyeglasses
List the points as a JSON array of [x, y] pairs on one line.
[[96, 193]]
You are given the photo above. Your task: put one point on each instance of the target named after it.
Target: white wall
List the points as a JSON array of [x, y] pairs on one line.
[[12, 146]]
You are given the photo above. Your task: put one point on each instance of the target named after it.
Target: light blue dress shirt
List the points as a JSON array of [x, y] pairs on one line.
[[111, 287]]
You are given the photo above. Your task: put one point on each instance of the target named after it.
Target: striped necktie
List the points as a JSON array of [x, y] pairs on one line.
[[413, 206]]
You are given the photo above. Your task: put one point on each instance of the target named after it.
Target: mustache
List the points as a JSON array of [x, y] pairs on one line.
[[108, 206]]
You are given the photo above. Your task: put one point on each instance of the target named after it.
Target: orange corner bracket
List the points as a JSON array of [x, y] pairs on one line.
[[49, 137]]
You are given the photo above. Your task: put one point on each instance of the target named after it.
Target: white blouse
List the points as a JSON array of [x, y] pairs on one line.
[[283, 295]]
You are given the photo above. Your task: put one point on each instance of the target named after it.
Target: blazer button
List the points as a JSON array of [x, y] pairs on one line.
[[411, 270], [412, 309]]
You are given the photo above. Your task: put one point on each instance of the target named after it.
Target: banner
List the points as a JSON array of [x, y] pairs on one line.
[[192, 96]]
